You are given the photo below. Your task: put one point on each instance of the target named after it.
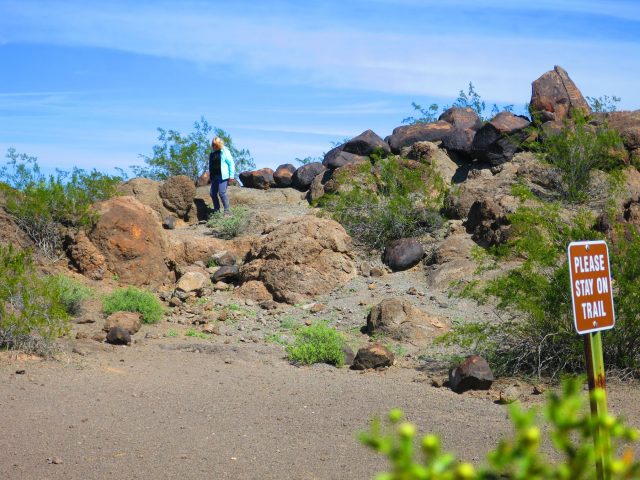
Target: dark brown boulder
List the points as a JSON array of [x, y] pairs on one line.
[[316, 190], [341, 158], [373, 356], [262, 179], [487, 222], [177, 194], [118, 336], [130, 237], [554, 96], [407, 135], [498, 140], [226, 274], [403, 254], [365, 144], [460, 141], [473, 373], [304, 175], [283, 176], [461, 118], [246, 178]]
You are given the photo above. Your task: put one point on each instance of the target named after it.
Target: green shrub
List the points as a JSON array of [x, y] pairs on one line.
[[72, 292], [570, 428], [387, 201], [229, 226], [43, 204], [30, 308], [578, 149], [539, 338], [317, 343], [195, 334], [132, 299]]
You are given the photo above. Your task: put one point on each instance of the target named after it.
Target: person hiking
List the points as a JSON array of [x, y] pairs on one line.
[[221, 170]]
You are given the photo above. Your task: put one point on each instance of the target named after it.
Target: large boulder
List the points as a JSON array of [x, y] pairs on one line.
[[131, 238], [316, 190], [177, 195], [402, 254], [304, 175], [341, 158], [300, 258], [473, 373], [407, 135], [86, 257], [402, 321], [261, 179], [130, 321], [460, 140], [283, 176], [498, 140], [365, 144], [461, 118], [554, 96], [146, 191]]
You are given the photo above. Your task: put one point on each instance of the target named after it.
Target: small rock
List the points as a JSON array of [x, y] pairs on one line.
[[211, 328], [437, 382], [317, 307], [98, 337], [538, 389], [509, 394], [130, 321], [119, 336], [221, 286], [20, 372], [79, 351], [412, 291], [308, 323], [81, 335], [373, 356], [169, 222], [249, 302], [175, 302], [378, 272], [473, 373], [372, 286], [54, 460]]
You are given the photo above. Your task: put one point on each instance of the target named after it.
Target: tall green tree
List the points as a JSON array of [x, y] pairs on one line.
[[178, 154]]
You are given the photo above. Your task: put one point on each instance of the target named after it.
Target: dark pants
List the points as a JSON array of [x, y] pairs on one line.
[[219, 187]]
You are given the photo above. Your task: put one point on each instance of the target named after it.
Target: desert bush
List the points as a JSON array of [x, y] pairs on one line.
[[31, 311], [43, 205], [570, 429], [132, 299], [578, 149], [72, 292], [189, 155], [230, 225], [387, 201], [317, 343], [539, 338]]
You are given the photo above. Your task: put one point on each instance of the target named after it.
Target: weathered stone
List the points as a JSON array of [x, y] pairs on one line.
[[130, 321], [461, 118], [192, 282], [627, 123], [373, 356], [86, 257], [169, 222], [304, 175], [554, 96], [118, 336], [146, 191], [203, 180], [460, 141], [353, 175], [224, 259], [283, 176], [488, 223], [226, 274], [402, 321], [403, 254], [365, 144], [316, 190], [259, 179], [407, 135], [300, 258], [177, 195], [473, 373], [341, 158], [498, 140], [132, 241]]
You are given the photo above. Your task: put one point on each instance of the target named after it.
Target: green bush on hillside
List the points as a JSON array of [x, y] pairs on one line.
[[72, 292], [132, 299], [42, 205], [30, 306], [570, 433], [387, 201], [231, 225], [540, 338], [317, 343]]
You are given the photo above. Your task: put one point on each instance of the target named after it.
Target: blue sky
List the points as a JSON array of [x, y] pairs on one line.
[[87, 83]]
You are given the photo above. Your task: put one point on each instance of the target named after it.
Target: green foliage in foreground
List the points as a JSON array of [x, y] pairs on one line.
[[72, 292], [178, 154], [132, 299], [540, 339], [570, 433], [578, 149], [386, 201], [42, 204], [317, 343], [30, 304], [231, 225]]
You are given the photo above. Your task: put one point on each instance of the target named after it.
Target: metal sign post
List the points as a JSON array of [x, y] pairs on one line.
[[592, 300]]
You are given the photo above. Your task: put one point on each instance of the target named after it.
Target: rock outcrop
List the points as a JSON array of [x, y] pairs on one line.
[[404, 322], [554, 96], [177, 195]]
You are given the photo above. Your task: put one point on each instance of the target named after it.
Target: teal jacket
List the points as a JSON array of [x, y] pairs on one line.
[[227, 164]]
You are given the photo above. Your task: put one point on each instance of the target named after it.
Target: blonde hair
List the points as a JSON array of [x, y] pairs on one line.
[[217, 142]]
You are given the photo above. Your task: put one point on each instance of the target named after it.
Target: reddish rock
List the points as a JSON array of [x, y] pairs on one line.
[[461, 118], [147, 192], [365, 144], [373, 356], [283, 176], [407, 135], [177, 194], [473, 373], [554, 96], [86, 257], [132, 241], [260, 179], [130, 321]]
